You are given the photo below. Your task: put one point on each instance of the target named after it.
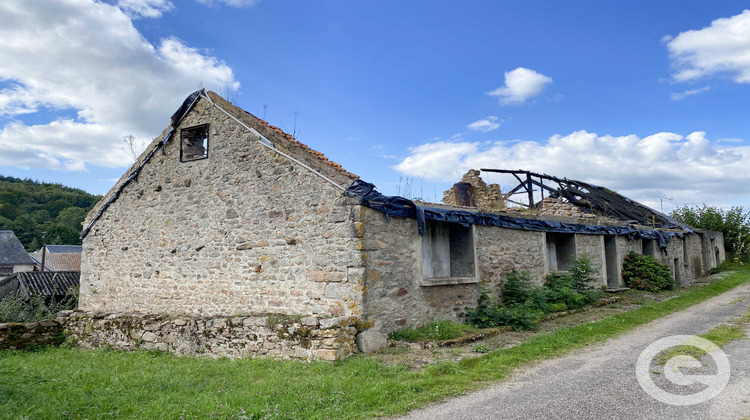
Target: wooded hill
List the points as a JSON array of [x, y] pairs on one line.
[[29, 208]]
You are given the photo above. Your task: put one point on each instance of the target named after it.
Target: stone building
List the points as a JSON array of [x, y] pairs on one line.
[[229, 237], [13, 256]]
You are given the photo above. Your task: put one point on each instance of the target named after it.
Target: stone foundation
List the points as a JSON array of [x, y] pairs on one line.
[[268, 335]]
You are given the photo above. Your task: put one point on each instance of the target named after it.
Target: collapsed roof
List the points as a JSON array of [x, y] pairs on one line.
[[591, 198]]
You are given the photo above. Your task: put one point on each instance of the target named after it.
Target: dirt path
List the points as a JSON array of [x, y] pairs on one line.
[[600, 382]]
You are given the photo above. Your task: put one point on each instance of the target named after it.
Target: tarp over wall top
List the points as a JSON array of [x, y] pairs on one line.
[[403, 207]]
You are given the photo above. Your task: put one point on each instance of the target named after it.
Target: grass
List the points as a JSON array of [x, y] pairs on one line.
[[720, 336], [69, 383], [434, 331]]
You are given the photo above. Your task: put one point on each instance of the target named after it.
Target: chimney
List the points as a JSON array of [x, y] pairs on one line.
[[464, 193]]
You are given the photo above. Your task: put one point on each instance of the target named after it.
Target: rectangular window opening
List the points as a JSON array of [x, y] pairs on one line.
[[447, 251], [647, 247], [561, 250], [194, 143]]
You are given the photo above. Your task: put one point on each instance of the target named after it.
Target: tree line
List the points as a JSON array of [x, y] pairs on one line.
[[29, 207], [734, 223]]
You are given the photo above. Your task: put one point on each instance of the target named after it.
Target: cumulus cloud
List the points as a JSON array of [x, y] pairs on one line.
[[684, 166], [520, 84], [145, 8], [87, 58], [485, 124], [721, 48], [678, 96]]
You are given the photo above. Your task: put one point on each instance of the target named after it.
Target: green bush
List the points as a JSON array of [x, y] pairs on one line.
[[523, 304], [491, 313], [644, 272], [518, 288], [18, 309]]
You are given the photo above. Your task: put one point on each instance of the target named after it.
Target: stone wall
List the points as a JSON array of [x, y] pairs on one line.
[[397, 295], [625, 245], [556, 207], [16, 336], [593, 247], [485, 196], [244, 231], [276, 336]]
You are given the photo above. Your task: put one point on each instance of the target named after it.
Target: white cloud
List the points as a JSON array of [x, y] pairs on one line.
[[485, 124], [678, 96], [722, 48], [520, 84], [87, 57], [691, 168], [145, 8]]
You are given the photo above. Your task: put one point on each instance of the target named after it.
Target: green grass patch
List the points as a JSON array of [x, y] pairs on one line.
[[69, 383], [434, 331], [720, 336]]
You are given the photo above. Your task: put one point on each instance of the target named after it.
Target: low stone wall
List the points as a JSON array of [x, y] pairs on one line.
[[559, 208], [277, 336], [16, 336]]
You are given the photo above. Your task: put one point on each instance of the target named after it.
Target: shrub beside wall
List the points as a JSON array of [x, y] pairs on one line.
[[644, 272]]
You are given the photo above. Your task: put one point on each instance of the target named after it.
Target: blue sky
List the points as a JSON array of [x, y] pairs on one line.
[[647, 98]]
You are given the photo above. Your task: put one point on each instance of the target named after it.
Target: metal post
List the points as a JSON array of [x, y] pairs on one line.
[[44, 249]]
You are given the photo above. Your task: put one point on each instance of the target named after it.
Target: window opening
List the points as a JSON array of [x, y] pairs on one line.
[[194, 143], [561, 250], [447, 250]]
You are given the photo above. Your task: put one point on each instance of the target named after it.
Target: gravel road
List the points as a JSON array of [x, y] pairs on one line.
[[599, 382]]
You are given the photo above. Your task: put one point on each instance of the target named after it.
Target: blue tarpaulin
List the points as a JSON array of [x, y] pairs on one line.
[[403, 207]]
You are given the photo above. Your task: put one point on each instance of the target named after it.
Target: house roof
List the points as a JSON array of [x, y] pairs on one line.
[[58, 261], [45, 283], [594, 199], [64, 249], [12, 251], [279, 133]]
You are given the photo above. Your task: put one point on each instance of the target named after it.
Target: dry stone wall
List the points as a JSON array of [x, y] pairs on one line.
[[276, 336], [21, 336], [555, 207], [243, 231]]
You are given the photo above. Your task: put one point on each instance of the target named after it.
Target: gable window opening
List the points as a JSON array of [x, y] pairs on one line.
[[194, 143], [448, 251], [561, 251]]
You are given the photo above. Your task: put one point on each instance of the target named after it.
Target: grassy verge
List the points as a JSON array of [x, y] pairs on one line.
[[68, 383], [720, 336], [434, 331]]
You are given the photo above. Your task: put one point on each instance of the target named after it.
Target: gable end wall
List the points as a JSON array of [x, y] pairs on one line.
[[244, 231]]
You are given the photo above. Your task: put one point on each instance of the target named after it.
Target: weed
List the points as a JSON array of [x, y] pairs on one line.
[[481, 348]]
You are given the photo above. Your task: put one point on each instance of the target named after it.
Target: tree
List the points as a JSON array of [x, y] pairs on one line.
[[733, 223]]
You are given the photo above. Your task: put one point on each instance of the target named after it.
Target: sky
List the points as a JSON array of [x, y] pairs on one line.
[[648, 98]]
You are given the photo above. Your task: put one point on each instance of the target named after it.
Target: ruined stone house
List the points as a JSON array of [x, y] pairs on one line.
[[229, 237]]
